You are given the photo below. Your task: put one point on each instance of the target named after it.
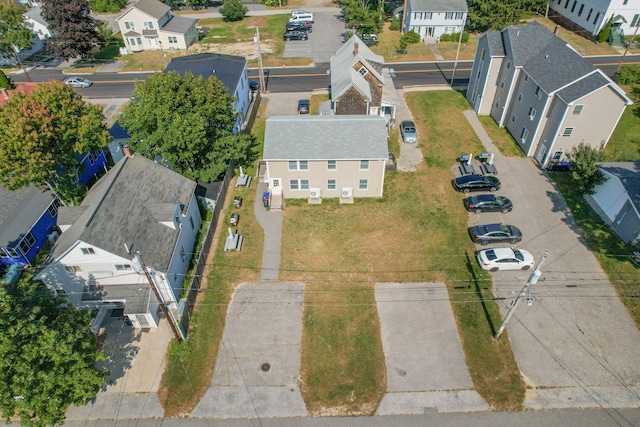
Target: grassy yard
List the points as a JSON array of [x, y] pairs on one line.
[[501, 138], [624, 144], [416, 232]]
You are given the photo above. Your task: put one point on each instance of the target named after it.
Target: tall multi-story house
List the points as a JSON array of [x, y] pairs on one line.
[[548, 97], [433, 18], [589, 17]]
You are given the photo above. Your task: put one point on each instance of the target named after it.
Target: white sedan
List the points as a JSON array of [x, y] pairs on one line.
[[505, 259], [77, 82]]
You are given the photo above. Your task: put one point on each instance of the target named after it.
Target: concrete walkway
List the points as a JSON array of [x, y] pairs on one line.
[[271, 223]]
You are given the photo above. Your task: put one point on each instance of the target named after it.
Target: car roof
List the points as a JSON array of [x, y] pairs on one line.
[[469, 178], [502, 252], [490, 228], [407, 122], [483, 198]]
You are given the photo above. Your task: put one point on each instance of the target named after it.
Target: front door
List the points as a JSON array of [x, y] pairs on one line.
[[541, 152]]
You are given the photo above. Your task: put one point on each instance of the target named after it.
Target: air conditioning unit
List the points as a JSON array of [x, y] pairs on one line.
[[53, 236], [347, 193], [314, 193]]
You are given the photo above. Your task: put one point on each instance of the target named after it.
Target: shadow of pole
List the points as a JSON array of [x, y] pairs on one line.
[[478, 292]]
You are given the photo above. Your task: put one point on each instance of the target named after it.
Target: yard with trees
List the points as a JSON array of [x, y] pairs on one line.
[[14, 30], [74, 30]]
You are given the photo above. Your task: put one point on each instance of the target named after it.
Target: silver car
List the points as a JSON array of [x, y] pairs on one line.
[[77, 82], [408, 131]]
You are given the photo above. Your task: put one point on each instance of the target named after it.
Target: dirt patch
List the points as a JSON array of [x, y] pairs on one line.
[[247, 49]]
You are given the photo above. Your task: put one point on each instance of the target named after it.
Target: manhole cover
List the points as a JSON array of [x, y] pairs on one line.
[[265, 367]]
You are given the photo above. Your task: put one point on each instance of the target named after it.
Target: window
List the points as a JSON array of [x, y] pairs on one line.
[[532, 113], [173, 39], [363, 70], [459, 15], [94, 156], [193, 226], [183, 254], [580, 10], [123, 267], [636, 21], [88, 251], [12, 253], [147, 25], [137, 41], [304, 184], [524, 134], [295, 165], [575, 2], [3, 254], [484, 51], [567, 132], [539, 92], [299, 184], [448, 15], [502, 84], [596, 18], [513, 118], [589, 14], [363, 184], [508, 65], [557, 156], [27, 243], [331, 184], [331, 165], [303, 165], [577, 110], [53, 208], [625, 2], [364, 165], [427, 15], [566, 5], [497, 104], [129, 25], [519, 97]]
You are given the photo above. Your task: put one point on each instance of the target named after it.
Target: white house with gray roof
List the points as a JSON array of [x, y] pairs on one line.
[[314, 157], [589, 17], [433, 18], [138, 205], [548, 97], [150, 25]]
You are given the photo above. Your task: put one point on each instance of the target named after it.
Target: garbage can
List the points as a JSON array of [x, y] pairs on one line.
[[265, 199]]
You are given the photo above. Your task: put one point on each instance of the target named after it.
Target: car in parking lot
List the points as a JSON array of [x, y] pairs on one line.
[[474, 182], [488, 203], [495, 233], [300, 26], [408, 131], [295, 35], [504, 259], [303, 106], [299, 12], [77, 82]]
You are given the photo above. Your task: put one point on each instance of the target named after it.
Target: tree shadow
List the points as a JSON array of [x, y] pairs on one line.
[[121, 346], [478, 291]]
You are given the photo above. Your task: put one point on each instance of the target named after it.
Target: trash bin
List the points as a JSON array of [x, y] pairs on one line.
[[237, 201], [234, 219], [265, 199]]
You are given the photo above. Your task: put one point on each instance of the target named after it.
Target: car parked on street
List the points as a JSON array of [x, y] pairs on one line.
[[488, 203], [408, 132], [504, 259], [303, 106], [77, 82], [474, 182], [495, 233], [295, 35]]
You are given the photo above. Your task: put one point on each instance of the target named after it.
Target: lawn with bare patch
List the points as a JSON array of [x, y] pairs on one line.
[[501, 138]]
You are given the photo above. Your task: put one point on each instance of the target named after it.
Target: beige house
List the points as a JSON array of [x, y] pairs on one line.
[[314, 157], [150, 25], [548, 97]]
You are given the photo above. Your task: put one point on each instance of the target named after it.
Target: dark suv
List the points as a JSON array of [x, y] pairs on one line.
[[295, 35], [300, 26]]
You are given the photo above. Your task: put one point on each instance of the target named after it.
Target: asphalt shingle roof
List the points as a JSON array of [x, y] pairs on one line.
[[583, 87], [154, 8], [325, 138], [523, 42], [629, 175], [19, 210], [496, 46], [439, 5], [178, 25], [227, 68]]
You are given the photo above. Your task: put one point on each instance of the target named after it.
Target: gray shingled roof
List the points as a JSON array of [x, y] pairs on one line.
[[438, 5], [583, 87], [35, 13], [526, 41], [227, 68], [629, 175], [343, 76], [496, 46], [137, 295], [154, 8], [19, 210], [119, 209], [325, 138], [178, 25]]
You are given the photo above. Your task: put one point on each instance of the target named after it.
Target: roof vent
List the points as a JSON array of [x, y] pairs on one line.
[[546, 56]]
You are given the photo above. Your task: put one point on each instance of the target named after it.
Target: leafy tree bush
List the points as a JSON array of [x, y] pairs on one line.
[[455, 37], [408, 38], [584, 171], [274, 3], [628, 75], [74, 30], [603, 35], [105, 6], [396, 24], [5, 83], [233, 10], [497, 14], [14, 31]]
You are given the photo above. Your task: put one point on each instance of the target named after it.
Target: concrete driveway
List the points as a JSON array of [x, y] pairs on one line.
[[576, 345]]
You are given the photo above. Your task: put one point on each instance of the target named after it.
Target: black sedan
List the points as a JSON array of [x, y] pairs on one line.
[[494, 233], [295, 35], [488, 203], [467, 183]]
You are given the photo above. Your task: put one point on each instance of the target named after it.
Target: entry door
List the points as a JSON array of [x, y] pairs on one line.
[[541, 152], [430, 31], [153, 42]]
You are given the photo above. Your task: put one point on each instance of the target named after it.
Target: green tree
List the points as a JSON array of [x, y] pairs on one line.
[[102, 6], [190, 124], [47, 355], [628, 75], [497, 14], [14, 31], [75, 32], [603, 35], [43, 131], [5, 83], [410, 37], [274, 3], [583, 167], [233, 10]]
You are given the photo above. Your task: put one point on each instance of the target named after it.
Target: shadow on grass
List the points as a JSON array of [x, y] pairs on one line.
[[478, 290]]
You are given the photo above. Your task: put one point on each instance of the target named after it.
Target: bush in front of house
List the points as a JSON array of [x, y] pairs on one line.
[[233, 10], [396, 24], [274, 3], [408, 38], [454, 37], [628, 75]]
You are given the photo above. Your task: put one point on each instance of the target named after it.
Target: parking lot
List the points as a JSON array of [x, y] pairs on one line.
[[323, 42]]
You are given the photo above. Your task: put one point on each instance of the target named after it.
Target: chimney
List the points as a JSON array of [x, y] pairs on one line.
[[6, 94], [126, 150], [355, 48]]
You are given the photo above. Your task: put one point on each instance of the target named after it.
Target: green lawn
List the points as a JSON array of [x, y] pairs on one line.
[[624, 144], [501, 138]]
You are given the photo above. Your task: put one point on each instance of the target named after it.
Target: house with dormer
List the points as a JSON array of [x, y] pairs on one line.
[[547, 96], [358, 82], [150, 25], [138, 207]]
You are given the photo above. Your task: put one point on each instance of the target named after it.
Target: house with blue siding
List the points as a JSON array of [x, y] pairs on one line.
[[27, 219]]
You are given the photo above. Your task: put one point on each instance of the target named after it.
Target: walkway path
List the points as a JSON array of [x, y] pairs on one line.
[[271, 223]]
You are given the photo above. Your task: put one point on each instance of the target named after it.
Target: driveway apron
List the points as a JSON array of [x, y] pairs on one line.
[[576, 345]]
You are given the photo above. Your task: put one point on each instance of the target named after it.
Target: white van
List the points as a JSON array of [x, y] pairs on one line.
[[303, 17]]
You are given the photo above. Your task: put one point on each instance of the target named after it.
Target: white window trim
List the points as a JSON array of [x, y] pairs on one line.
[[366, 182], [567, 132], [335, 185], [335, 165], [366, 168], [578, 108]]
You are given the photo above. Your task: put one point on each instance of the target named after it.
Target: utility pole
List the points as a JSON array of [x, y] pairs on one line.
[[635, 33], [263, 88], [173, 322], [455, 64], [16, 52], [533, 279]]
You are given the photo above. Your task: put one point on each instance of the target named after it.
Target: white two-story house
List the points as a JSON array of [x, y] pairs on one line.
[[150, 25], [433, 18], [138, 207], [589, 17]]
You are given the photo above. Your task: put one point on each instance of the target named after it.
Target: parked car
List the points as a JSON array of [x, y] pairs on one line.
[[303, 106], [77, 82], [254, 85], [408, 131], [299, 12], [300, 26], [467, 183], [488, 203], [295, 35], [504, 259], [495, 233], [301, 17], [369, 39]]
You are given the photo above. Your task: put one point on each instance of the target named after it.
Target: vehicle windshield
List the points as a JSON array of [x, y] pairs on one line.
[[518, 255]]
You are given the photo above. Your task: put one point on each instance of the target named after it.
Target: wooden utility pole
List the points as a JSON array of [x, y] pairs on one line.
[[263, 87], [455, 64], [635, 33]]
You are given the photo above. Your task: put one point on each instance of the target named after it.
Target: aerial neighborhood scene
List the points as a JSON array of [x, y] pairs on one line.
[[232, 212]]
